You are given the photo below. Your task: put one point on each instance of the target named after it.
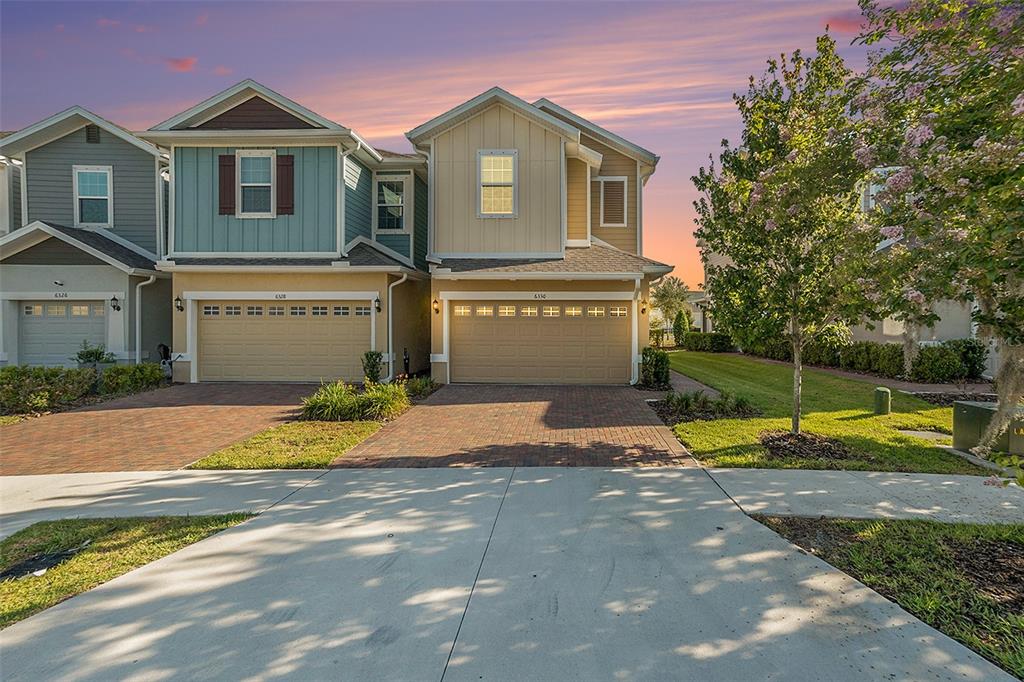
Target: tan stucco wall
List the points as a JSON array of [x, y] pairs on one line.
[[537, 226], [412, 324], [530, 288], [271, 282], [576, 210], [614, 163]]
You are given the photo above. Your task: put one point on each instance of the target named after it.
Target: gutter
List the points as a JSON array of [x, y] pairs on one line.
[[341, 184], [138, 317], [391, 337]]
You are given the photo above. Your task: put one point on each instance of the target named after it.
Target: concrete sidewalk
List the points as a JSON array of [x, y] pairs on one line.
[[870, 494], [24, 500], [499, 574]]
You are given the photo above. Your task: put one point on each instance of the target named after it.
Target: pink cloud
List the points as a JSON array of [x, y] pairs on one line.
[[140, 28], [59, 28], [202, 19], [181, 64], [103, 22], [846, 22], [223, 71]]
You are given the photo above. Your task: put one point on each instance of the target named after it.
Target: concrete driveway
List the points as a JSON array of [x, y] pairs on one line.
[[161, 429], [489, 573]]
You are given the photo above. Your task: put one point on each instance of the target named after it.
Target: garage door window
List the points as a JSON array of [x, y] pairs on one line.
[[573, 311], [33, 310], [341, 311], [254, 311], [211, 310], [319, 311], [463, 311], [618, 311], [99, 310], [552, 311], [484, 311], [298, 311], [506, 311], [56, 310], [275, 310], [80, 311], [529, 311], [362, 311], [233, 310], [595, 311]]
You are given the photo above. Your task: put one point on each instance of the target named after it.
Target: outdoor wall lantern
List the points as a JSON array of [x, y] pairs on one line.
[[643, 307], [179, 305], [114, 303], [436, 306], [376, 303]]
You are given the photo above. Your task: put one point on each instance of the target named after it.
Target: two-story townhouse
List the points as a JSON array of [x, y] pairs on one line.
[[535, 222], [83, 213], [295, 246]]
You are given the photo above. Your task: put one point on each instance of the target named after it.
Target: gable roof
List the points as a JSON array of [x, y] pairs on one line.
[[595, 259], [238, 93], [65, 123], [483, 101], [93, 242], [608, 137]]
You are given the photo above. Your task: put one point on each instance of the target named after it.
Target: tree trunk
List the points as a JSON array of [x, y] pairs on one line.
[[911, 334], [797, 380], [1010, 390]]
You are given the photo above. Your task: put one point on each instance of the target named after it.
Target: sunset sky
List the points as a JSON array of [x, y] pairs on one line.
[[659, 74]]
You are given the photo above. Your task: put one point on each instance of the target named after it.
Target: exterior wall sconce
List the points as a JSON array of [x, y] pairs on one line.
[[179, 305], [114, 303], [643, 307], [376, 303], [436, 306]]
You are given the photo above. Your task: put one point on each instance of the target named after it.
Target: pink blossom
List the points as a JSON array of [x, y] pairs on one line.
[[914, 296], [865, 156], [793, 210], [958, 235], [914, 90], [770, 225], [892, 231], [900, 181], [963, 182], [791, 157], [918, 135], [1018, 105]]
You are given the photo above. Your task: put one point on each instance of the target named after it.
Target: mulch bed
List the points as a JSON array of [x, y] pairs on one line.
[[785, 445], [995, 568], [947, 399], [672, 417]]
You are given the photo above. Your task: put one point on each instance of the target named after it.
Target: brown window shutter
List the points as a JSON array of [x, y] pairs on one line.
[[226, 184], [614, 202], [285, 184]]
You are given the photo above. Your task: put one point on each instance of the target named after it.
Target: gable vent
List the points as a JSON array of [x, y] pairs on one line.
[[92, 134]]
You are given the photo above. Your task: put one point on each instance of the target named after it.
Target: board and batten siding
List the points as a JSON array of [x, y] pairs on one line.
[[576, 210], [199, 228], [421, 210], [358, 196], [537, 228], [613, 163], [50, 186]]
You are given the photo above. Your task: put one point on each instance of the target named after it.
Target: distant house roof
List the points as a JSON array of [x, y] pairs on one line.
[[597, 258], [101, 244], [360, 255], [65, 123]]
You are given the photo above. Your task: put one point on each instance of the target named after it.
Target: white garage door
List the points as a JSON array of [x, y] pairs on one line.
[[51, 333], [570, 342], [288, 341]]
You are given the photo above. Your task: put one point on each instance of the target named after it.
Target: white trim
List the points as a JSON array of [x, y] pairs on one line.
[[589, 157], [620, 143], [160, 247], [590, 213], [563, 276], [128, 244], [89, 117], [434, 126], [192, 334], [109, 171], [625, 199], [549, 255], [253, 254], [391, 336], [280, 295], [480, 153], [408, 186], [255, 153], [535, 295], [563, 187], [431, 202], [639, 212], [170, 203], [24, 192], [62, 295], [55, 233], [577, 243], [339, 200]]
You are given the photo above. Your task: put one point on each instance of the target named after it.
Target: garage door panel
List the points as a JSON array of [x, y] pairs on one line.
[[551, 347], [258, 346], [50, 333]]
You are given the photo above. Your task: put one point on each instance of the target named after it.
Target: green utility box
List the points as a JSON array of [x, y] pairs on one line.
[[970, 419]]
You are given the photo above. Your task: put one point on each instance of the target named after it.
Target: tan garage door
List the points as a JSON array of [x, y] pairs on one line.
[[283, 341], [572, 342]]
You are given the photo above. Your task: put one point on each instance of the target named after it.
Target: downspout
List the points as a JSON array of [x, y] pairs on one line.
[[138, 317], [341, 187], [391, 340], [635, 344]]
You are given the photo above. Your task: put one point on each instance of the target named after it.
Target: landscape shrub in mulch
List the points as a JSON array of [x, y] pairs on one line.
[[27, 390], [131, 378], [339, 401], [787, 445], [947, 399], [655, 372], [690, 406]]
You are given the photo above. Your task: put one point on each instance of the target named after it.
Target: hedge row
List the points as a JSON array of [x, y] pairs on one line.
[[707, 342], [26, 390]]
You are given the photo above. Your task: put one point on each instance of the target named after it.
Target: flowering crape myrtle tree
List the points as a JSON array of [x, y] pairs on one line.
[[945, 105], [784, 207]]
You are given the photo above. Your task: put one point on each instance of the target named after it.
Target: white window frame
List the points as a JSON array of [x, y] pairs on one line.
[[406, 181], [625, 199], [480, 154], [109, 170], [249, 153]]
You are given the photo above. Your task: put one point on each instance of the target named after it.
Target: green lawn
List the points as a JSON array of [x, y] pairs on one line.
[[295, 445], [958, 578], [115, 546], [833, 406]]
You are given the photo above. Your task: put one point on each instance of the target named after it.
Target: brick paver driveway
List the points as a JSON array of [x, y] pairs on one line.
[[162, 429], [492, 425]]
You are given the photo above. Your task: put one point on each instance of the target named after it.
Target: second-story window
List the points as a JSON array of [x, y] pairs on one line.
[[497, 180], [391, 198], [256, 183], [93, 204]]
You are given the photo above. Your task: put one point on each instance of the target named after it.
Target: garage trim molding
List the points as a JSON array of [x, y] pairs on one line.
[[447, 296], [115, 319], [192, 299]]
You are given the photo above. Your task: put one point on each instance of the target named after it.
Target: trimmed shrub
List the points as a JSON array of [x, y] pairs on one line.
[[654, 369], [938, 365], [339, 401], [973, 353], [680, 326], [889, 360], [131, 378], [707, 342], [420, 387], [372, 363], [89, 353], [774, 349], [657, 338], [37, 389], [885, 359]]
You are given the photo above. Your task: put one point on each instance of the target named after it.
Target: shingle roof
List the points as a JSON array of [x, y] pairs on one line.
[[386, 153], [595, 258], [101, 243], [360, 255]]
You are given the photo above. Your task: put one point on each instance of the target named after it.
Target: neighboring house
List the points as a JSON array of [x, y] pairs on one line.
[[535, 243], [295, 246], [83, 213]]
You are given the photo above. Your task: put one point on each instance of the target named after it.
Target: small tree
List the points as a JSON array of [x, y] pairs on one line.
[[785, 209], [945, 105], [680, 325], [669, 296]]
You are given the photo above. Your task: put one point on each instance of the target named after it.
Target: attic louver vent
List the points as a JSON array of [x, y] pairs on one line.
[[92, 134]]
